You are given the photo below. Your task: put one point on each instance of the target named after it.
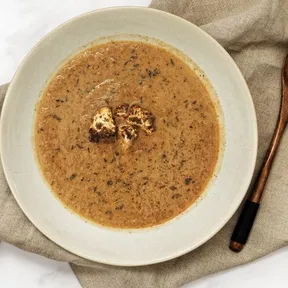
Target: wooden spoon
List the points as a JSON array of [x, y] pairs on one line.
[[248, 214]]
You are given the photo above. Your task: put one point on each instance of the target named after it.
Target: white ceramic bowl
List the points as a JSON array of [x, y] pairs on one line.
[[123, 247]]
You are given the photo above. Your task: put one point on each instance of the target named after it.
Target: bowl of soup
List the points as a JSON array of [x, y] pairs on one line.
[[123, 136]]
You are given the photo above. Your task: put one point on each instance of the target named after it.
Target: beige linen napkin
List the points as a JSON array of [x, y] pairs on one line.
[[255, 33]]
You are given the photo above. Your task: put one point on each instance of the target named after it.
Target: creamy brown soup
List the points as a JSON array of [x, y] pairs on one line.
[[161, 173]]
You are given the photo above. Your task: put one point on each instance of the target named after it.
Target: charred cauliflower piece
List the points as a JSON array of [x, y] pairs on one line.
[[103, 125], [142, 118], [122, 110], [127, 134]]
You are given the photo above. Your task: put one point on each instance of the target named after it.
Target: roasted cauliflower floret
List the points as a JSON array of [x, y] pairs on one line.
[[122, 110], [142, 118], [103, 125], [134, 117], [127, 134]]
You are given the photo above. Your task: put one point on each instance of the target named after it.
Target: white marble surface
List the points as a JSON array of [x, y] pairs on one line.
[[22, 24]]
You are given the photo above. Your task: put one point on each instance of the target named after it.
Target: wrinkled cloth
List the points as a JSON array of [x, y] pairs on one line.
[[255, 33]]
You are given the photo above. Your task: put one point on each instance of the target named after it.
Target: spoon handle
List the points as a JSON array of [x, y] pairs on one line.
[[249, 212]]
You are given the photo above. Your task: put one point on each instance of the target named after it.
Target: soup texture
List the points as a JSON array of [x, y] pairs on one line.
[[127, 134]]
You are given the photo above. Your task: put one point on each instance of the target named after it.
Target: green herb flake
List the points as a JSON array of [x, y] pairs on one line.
[[120, 207], [188, 180], [73, 176], [110, 182], [56, 117]]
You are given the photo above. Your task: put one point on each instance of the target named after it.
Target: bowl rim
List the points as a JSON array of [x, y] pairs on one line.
[[254, 149]]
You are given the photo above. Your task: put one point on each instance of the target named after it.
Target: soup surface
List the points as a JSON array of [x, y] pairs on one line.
[[130, 182]]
